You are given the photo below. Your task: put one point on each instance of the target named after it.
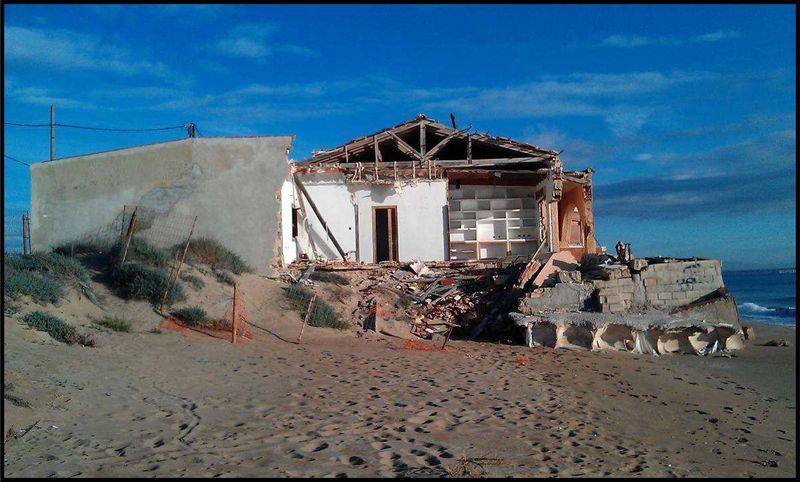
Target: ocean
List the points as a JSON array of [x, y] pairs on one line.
[[764, 296]]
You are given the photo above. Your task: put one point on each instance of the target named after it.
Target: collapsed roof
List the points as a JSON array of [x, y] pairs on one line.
[[422, 140]]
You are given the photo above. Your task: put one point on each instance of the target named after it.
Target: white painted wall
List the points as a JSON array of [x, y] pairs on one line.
[[420, 217], [288, 244]]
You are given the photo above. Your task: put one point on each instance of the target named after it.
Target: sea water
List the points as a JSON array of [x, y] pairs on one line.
[[764, 296]]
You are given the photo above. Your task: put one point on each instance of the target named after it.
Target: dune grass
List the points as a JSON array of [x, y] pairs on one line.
[[143, 252], [225, 277], [116, 324], [211, 252], [323, 315], [139, 282], [56, 328], [42, 276]]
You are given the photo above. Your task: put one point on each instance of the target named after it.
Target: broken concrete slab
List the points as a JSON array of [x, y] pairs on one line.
[[561, 297], [560, 261], [719, 306]]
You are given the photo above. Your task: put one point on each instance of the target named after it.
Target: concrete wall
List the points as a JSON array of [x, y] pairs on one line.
[[665, 286], [420, 217], [231, 183]]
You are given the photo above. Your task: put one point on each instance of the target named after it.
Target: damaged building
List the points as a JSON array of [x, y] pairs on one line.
[[422, 190], [473, 232]]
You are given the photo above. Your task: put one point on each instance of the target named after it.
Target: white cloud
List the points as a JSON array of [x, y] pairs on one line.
[[622, 100], [717, 36], [68, 50], [631, 41], [646, 156], [253, 41], [43, 96], [634, 41]]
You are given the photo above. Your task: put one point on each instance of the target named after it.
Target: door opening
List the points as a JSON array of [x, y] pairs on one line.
[[385, 233]]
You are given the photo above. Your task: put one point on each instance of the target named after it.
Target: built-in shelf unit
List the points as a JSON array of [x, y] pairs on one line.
[[492, 221]]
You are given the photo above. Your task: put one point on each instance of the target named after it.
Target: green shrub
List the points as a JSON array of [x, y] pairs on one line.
[[193, 316], [42, 288], [53, 264], [322, 314], [329, 277], [77, 248], [209, 251], [56, 328], [193, 280], [225, 277], [138, 282], [116, 324], [143, 252], [10, 305]]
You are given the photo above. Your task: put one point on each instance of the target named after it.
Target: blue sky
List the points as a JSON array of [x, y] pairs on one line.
[[686, 112]]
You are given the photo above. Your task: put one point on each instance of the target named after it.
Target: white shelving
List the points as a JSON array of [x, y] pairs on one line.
[[492, 221]]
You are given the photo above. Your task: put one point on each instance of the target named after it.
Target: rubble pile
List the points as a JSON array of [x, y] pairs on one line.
[[651, 305], [436, 301]]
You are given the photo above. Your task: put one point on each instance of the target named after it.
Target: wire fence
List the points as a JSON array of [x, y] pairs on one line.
[[157, 229], [321, 315], [12, 229]]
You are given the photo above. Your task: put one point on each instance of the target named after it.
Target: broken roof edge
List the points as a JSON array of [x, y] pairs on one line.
[[291, 137], [329, 155]]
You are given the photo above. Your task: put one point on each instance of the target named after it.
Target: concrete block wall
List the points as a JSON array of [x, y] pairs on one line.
[[665, 286], [614, 296]]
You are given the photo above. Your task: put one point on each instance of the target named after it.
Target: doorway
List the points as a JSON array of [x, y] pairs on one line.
[[384, 221]]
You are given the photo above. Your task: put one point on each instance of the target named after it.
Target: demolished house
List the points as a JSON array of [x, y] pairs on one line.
[[425, 191], [453, 231], [485, 233]]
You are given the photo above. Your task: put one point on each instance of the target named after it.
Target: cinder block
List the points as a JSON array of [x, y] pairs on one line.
[[616, 308], [648, 282], [664, 296]]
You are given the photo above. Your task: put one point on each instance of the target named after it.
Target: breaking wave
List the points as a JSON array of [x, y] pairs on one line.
[[768, 314], [754, 308]]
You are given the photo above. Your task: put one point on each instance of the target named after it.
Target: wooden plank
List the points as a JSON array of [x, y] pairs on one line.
[[438, 147], [422, 138], [405, 147]]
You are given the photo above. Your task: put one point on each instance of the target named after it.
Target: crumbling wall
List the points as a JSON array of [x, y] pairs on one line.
[[664, 286], [230, 183]]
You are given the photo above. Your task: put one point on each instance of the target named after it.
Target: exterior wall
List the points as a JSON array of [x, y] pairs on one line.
[[231, 184], [665, 286], [420, 217]]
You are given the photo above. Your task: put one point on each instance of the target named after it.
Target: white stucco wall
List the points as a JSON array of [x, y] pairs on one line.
[[420, 217]]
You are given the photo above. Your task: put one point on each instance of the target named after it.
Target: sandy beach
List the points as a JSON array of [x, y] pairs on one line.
[[356, 405]]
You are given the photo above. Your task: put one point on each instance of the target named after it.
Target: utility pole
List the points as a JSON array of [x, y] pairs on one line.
[[52, 132]]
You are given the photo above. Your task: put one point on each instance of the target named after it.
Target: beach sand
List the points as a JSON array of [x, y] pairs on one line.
[[171, 404]]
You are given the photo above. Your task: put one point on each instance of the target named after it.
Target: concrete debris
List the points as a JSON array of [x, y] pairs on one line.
[[651, 333], [775, 343], [651, 305], [419, 268]]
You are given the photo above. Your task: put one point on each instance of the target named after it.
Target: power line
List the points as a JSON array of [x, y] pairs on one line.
[[16, 160], [112, 129], [25, 125]]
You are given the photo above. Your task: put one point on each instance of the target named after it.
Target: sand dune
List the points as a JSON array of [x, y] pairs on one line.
[[145, 404]]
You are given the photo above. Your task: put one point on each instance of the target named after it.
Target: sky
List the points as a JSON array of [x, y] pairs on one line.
[[687, 113]]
